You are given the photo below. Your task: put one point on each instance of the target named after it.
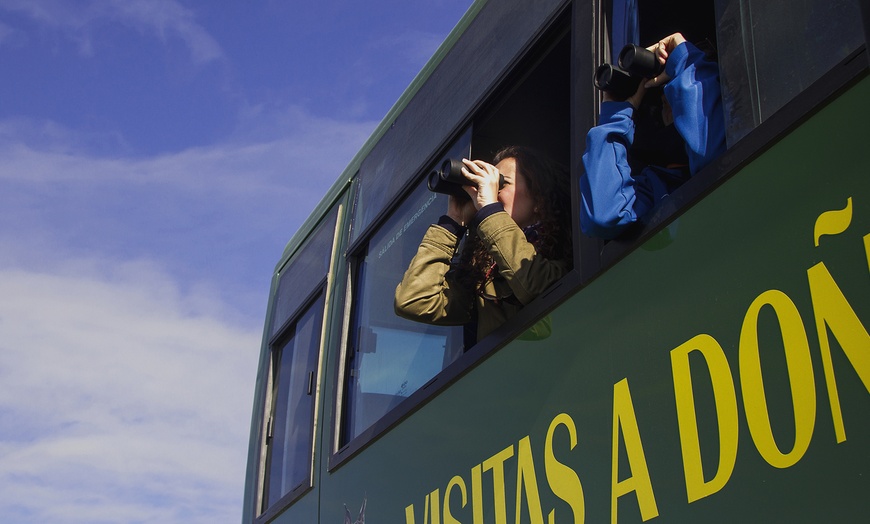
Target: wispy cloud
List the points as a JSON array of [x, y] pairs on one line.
[[132, 293], [164, 19], [217, 216], [122, 400]]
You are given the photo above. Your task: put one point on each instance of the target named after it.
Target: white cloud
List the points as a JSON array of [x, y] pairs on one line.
[[161, 18], [126, 366], [122, 400], [216, 218], [272, 145]]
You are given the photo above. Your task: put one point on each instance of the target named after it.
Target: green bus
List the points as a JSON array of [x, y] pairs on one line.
[[710, 365]]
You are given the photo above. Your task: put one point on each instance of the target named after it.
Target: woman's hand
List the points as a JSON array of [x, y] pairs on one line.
[[485, 177], [461, 210]]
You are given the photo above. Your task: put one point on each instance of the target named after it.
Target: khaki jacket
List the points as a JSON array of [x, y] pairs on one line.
[[427, 293]]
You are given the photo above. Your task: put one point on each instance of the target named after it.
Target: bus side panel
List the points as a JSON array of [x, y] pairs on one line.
[[718, 316]]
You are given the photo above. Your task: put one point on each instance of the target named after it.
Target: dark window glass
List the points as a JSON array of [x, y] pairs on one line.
[[391, 357], [299, 278], [290, 428], [771, 50]]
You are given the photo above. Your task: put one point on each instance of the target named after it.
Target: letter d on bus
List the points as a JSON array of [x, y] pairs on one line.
[[726, 414]]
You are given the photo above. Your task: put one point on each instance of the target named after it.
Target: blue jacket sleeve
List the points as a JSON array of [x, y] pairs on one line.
[[696, 101], [607, 174]]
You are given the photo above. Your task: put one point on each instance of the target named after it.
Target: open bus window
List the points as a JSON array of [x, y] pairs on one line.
[[659, 125], [290, 423], [766, 58], [390, 357], [756, 58]]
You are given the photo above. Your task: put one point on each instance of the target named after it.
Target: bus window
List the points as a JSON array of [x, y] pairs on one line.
[[289, 430], [295, 341], [645, 23], [309, 267], [390, 357], [771, 50], [651, 137]]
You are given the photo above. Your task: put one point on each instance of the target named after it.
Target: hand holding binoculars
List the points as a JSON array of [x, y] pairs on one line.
[[448, 179], [635, 64]]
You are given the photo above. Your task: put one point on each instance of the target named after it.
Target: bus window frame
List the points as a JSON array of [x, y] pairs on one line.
[[597, 255], [800, 108], [276, 343], [526, 318], [335, 211], [355, 255]]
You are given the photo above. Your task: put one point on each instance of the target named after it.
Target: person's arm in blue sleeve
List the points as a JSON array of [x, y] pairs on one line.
[[609, 201], [695, 98]]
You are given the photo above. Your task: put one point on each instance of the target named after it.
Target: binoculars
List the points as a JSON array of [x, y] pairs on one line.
[[448, 179], [635, 64]]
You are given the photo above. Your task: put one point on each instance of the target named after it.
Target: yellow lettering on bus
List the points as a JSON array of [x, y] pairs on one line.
[[496, 464], [867, 250], [456, 481], [832, 311], [434, 498], [624, 419], [563, 481], [477, 494], [833, 222], [526, 478], [800, 371], [726, 415]]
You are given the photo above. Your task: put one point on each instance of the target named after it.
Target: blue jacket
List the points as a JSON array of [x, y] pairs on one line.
[[612, 198]]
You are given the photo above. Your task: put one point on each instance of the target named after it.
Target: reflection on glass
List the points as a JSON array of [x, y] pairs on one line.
[[309, 266], [288, 465], [771, 50], [393, 357]]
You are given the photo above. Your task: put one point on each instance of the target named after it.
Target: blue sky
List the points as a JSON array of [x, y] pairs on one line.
[[155, 157]]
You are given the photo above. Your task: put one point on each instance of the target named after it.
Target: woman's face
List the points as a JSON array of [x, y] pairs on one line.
[[514, 196]]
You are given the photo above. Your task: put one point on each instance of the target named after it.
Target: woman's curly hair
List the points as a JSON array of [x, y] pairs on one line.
[[548, 184]]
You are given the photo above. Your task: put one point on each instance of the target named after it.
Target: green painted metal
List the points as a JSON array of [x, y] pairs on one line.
[[745, 252], [529, 433]]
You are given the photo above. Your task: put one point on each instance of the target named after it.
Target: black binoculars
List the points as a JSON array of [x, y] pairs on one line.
[[448, 179], [635, 64]]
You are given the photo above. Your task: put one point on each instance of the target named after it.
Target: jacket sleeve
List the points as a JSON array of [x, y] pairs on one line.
[[426, 293], [526, 271], [608, 196], [695, 98]]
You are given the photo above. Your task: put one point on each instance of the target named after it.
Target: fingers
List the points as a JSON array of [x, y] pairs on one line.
[[670, 42], [480, 172], [485, 178], [476, 168]]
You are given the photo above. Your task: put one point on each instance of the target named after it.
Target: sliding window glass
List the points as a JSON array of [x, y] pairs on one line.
[[390, 357], [295, 347], [289, 432], [771, 50]]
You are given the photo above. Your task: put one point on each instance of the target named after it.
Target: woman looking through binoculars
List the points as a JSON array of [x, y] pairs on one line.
[[519, 243]]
